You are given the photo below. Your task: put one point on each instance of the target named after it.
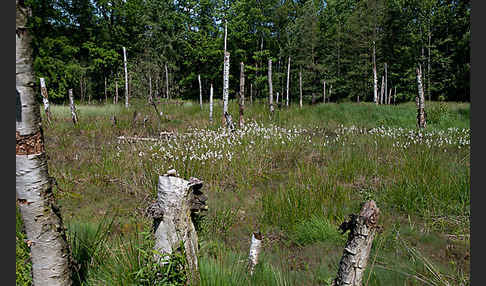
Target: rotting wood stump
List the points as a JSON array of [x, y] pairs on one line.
[[178, 203], [362, 229], [255, 249]]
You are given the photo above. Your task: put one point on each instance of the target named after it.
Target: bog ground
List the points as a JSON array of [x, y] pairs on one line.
[[295, 176]]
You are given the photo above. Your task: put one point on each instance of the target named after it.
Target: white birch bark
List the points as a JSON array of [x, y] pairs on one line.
[[300, 89], [255, 249], [50, 255], [73, 108], [150, 89], [106, 93], [276, 100], [200, 91], [382, 87], [421, 100], [167, 82], [375, 77], [324, 92], [270, 87], [288, 83], [362, 230], [242, 93], [330, 92], [126, 75], [175, 228], [389, 96], [45, 99], [386, 83], [226, 82], [116, 91], [211, 104], [395, 95], [251, 93]]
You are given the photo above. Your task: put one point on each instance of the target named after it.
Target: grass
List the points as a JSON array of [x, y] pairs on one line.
[[295, 176]]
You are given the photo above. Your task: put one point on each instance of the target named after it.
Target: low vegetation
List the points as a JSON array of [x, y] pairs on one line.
[[295, 176]]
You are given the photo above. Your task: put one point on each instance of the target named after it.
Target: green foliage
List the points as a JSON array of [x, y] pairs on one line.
[[438, 113], [23, 265]]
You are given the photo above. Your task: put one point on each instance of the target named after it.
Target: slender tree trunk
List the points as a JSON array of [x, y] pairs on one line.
[[330, 93], [255, 249], [242, 93], [225, 34], [389, 96], [276, 101], [428, 68], [211, 104], [382, 87], [386, 82], [126, 75], [173, 225], [375, 78], [167, 82], [50, 254], [288, 82], [251, 93], [150, 89], [45, 99], [226, 66], [421, 100], [395, 95], [270, 87], [73, 108], [81, 92], [362, 230], [200, 90], [106, 93], [300, 88], [116, 91], [324, 92]]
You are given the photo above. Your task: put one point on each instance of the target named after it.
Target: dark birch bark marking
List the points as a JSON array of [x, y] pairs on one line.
[[420, 100], [255, 249], [73, 108], [270, 87], [45, 99], [242, 93], [126, 75], [50, 254], [177, 200], [211, 104], [226, 66], [300, 89], [362, 230], [288, 83], [200, 91]]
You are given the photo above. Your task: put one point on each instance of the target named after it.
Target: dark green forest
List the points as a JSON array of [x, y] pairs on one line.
[[79, 44]]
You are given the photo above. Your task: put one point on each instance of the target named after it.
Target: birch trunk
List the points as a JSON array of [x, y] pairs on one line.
[[211, 104], [81, 92], [300, 89], [375, 77], [386, 82], [150, 89], [251, 93], [255, 249], [389, 96], [116, 92], [270, 88], [167, 82], [330, 93], [73, 108], [428, 66], [421, 100], [362, 230], [395, 95], [50, 254], [288, 83], [176, 200], [45, 99], [200, 91], [225, 82], [324, 92], [106, 93], [242, 93], [126, 75], [276, 100], [382, 87]]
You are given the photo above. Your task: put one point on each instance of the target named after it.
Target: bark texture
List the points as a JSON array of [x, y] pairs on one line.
[[177, 201], [421, 100], [116, 92], [242, 93], [382, 87], [167, 81], [300, 89], [45, 99], [324, 92], [386, 83], [226, 66], [375, 77], [270, 87], [126, 75], [288, 83], [51, 259], [74, 116], [255, 249], [211, 104], [362, 230], [200, 91]]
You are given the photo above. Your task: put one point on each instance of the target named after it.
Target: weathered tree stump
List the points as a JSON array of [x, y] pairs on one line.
[[74, 116], [178, 201], [420, 100], [45, 99], [362, 230], [255, 249]]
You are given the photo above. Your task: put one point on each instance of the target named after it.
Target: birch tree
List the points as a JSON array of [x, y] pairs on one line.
[[126, 75], [375, 78], [300, 89], [45, 99], [421, 100], [288, 82], [242, 93], [270, 88], [211, 103], [42, 219], [200, 91]]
